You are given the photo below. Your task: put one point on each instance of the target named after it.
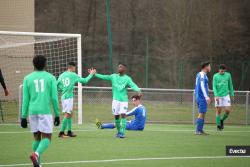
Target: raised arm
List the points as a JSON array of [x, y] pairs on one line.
[[133, 86], [54, 97], [214, 86], [85, 80], [26, 99], [104, 77], [92, 72], [231, 88]]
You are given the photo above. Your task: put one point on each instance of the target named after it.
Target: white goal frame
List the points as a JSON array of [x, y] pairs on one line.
[[79, 58]]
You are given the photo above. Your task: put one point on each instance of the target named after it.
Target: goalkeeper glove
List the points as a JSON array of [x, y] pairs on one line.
[[57, 121], [24, 123]]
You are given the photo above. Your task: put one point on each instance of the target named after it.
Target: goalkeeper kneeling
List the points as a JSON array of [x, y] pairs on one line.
[[139, 112]]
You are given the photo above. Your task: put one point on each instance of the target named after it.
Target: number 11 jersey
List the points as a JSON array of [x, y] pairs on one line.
[[39, 90]]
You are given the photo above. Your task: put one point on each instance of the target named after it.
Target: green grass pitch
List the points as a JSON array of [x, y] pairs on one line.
[[157, 112], [159, 145]]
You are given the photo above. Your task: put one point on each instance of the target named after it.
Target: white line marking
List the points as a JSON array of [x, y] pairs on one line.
[[81, 130], [14, 124], [128, 159], [149, 124], [167, 130], [173, 130]]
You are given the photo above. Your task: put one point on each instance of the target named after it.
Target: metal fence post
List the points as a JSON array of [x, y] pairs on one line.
[[247, 100], [193, 112]]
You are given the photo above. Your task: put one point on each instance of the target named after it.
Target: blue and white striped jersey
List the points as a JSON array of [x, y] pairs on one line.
[[201, 86]]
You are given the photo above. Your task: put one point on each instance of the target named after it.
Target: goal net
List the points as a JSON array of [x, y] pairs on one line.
[[17, 50]]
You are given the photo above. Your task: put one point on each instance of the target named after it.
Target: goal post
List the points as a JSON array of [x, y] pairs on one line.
[[16, 52], [79, 66]]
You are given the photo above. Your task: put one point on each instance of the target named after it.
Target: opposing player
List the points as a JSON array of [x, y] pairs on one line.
[[39, 91], [65, 84], [120, 82], [6, 92], [223, 89], [202, 96], [139, 112]]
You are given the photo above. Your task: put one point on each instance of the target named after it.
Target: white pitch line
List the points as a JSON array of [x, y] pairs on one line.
[[232, 131], [167, 130], [81, 130], [149, 124], [127, 159], [14, 124]]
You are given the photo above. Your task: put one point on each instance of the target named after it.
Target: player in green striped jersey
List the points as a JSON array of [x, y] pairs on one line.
[[223, 89], [39, 90], [65, 84], [120, 82]]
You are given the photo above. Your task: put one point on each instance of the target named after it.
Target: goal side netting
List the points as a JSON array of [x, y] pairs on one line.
[[17, 50]]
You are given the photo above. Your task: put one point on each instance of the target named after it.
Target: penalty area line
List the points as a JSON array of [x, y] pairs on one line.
[[128, 159]]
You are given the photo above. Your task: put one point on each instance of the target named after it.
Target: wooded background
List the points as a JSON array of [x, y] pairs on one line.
[[179, 33]]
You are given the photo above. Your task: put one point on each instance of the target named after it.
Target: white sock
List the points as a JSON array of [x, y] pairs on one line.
[[37, 154]]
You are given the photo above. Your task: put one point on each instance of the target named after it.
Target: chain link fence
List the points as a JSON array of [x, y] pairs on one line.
[[163, 106]]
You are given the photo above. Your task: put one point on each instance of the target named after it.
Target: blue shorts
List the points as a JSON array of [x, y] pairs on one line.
[[202, 106], [131, 126]]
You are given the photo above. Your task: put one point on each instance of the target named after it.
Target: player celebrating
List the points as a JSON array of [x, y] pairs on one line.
[[6, 92], [120, 83], [39, 90], [65, 84], [222, 87], [139, 111], [202, 98]]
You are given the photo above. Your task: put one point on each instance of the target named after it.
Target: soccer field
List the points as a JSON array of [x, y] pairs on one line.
[[159, 145]]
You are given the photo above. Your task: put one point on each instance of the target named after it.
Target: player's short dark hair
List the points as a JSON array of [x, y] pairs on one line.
[[137, 97], [120, 63], [205, 64], [39, 62], [72, 64], [222, 67]]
